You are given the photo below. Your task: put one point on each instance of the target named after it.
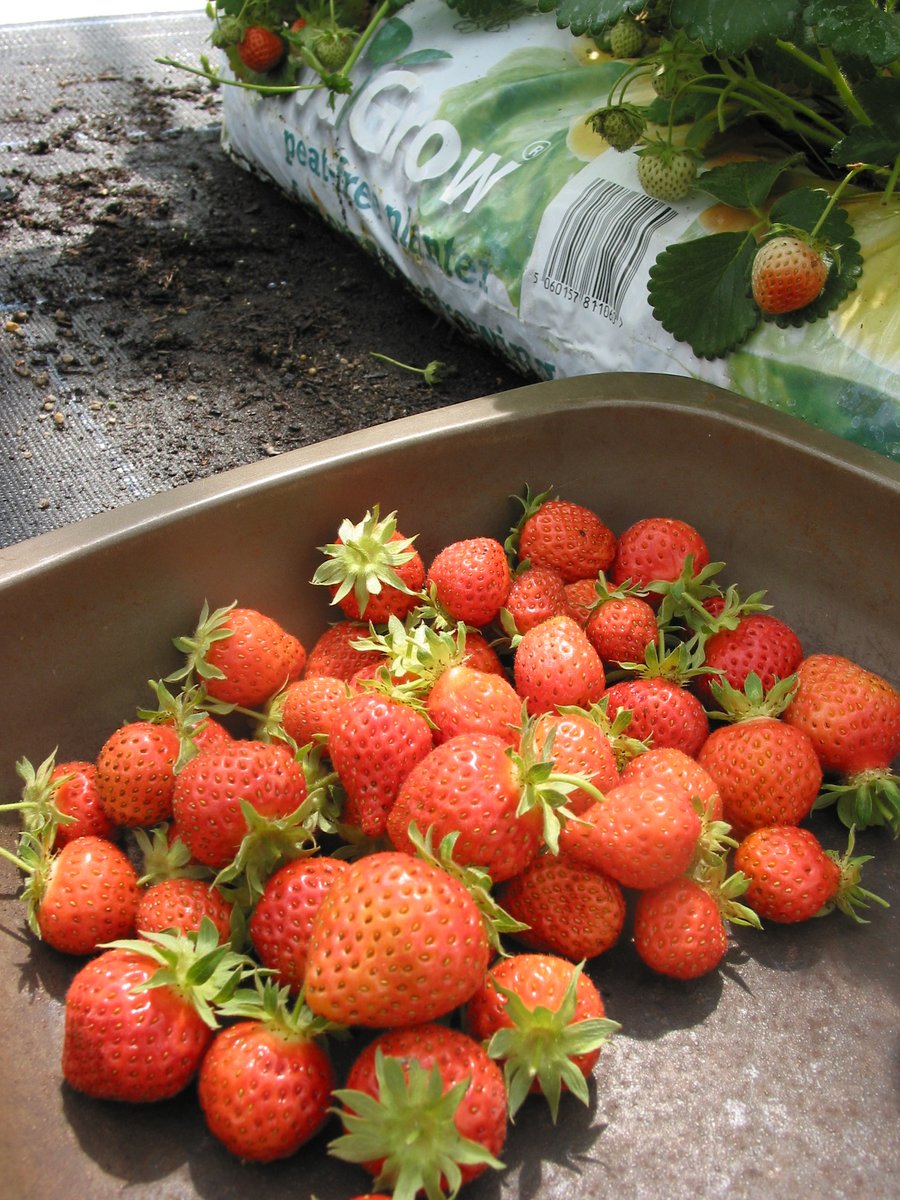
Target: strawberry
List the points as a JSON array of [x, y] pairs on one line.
[[423, 1109], [332, 48], [463, 700], [261, 49], [668, 764], [61, 802], [569, 908], [621, 125], [182, 904], [759, 643], [626, 37], [556, 665], [679, 930], [265, 1082], [666, 172], [577, 744], [621, 625], [372, 570], [480, 655], [852, 716], [311, 705], [663, 710], [581, 597], [545, 1021], [211, 792], [641, 835], [471, 579], [471, 784], [136, 773], [535, 594], [657, 548], [374, 744], [566, 536], [395, 941], [333, 653], [788, 273], [140, 1016], [282, 920], [242, 656]]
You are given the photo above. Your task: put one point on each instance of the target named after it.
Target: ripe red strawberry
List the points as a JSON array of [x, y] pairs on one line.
[[641, 835], [621, 627], [473, 785], [242, 656], [534, 595], [181, 904], [759, 643], [374, 744], [310, 706], [79, 897], [212, 787], [395, 941], [788, 273], [471, 579], [333, 653], [439, 1117], [132, 1037], [281, 923], [265, 1082], [261, 49], [577, 745], [581, 597], [852, 716], [76, 795], [556, 665], [136, 773], [566, 536], [679, 930], [545, 1021], [656, 548], [670, 765], [480, 655], [767, 772], [662, 711], [463, 700], [372, 570], [570, 909]]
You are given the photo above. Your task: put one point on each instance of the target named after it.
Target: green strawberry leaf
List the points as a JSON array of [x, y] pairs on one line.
[[589, 16], [733, 29], [389, 42], [418, 57], [744, 184], [855, 27], [880, 141], [700, 292], [686, 110]]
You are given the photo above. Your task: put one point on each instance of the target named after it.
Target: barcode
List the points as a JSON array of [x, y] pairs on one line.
[[600, 243]]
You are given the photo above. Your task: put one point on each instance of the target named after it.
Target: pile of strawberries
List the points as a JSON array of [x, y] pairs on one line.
[[422, 826]]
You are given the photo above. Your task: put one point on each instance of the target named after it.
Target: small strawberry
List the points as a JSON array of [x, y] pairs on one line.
[[140, 1016], [758, 643], [471, 579], [787, 274], [561, 534], [626, 37], [136, 773], [310, 706], [61, 802], [657, 548], [334, 653], [261, 49], [395, 941], [535, 594], [372, 570], [545, 1021], [582, 599], [666, 172], [463, 700], [265, 1082], [424, 1110], [622, 125], [569, 908], [577, 743], [281, 923], [181, 904], [332, 48], [621, 625], [679, 930], [556, 665], [242, 656], [663, 710]]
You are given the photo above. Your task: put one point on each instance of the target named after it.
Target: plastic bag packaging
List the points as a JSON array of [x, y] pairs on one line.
[[463, 161]]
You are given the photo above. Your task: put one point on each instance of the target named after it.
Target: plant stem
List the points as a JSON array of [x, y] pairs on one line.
[[213, 77], [842, 87]]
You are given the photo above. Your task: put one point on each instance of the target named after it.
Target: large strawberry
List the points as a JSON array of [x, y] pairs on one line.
[[395, 941], [261, 49], [139, 1017], [374, 743], [136, 773], [265, 1082], [213, 788], [852, 716], [759, 644], [463, 700], [471, 579], [545, 1021], [668, 764], [566, 536], [423, 1109], [372, 570], [657, 548], [556, 665]]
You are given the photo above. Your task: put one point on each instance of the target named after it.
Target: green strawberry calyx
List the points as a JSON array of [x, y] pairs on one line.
[[541, 1043], [211, 627], [530, 502], [365, 559], [850, 895], [726, 889], [38, 805], [869, 797], [273, 1005], [753, 702], [411, 1127], [163, 859], [188, 711]]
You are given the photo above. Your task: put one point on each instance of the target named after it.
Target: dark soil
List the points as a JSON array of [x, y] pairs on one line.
[[187, 312]]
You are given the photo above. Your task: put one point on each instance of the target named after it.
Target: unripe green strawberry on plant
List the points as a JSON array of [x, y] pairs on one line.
[[140, 1016], [666, 172], [372, 570], [423, 1110], [545, 1021], [332, 48], [261, 49], [471, 579], [626, 37], [787, 274], [395, 941], [622, 125], [561, 534]]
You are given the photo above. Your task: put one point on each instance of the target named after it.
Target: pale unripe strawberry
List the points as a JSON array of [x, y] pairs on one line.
[[787, 275], [626, 38], [666, 172]]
